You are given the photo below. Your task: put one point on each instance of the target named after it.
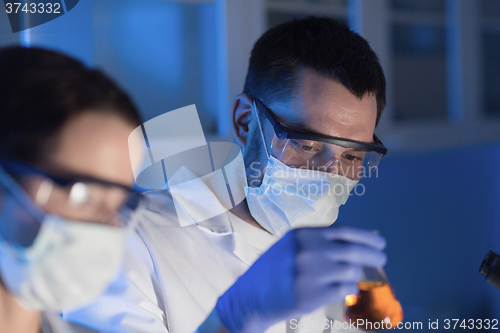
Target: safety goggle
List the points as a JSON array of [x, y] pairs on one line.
[[352, 159], [77, 197]]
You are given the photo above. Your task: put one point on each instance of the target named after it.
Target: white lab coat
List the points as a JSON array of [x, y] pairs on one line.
[[174, 275]]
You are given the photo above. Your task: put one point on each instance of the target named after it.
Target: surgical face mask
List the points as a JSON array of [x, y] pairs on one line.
[[68, 264], [290, 198]]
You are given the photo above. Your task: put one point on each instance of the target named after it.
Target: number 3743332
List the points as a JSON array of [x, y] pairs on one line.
[[33, 8]]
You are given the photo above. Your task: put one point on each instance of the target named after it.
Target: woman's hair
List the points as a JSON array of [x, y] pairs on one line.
[[41, 90]]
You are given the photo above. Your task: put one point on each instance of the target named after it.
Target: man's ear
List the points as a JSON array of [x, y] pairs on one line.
[[242, 115]]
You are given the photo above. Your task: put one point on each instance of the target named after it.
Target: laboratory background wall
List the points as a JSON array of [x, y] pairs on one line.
[[436, 197]]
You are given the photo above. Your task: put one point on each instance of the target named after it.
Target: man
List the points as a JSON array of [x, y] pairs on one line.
[[305, 121]]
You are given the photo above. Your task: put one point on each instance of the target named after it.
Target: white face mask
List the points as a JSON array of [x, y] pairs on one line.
[[290, 198], [68, 264]]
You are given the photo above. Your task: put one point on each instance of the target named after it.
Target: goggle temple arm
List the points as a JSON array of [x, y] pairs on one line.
[[261, 130]]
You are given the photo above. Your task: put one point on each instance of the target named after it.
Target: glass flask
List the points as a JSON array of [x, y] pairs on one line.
[[375, 307]]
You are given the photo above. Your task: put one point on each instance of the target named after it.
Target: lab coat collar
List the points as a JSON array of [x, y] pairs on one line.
[[222, 224], [241, 247], [249, 241], [196, 199]]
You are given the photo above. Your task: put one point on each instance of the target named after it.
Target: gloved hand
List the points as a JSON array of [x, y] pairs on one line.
[[304, 270]]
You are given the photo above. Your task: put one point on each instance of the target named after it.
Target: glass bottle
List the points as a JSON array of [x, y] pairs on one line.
[[490, 267], [375, 307]]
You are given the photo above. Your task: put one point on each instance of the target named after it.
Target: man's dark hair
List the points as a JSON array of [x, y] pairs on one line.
[[321, 44], [41, 90]]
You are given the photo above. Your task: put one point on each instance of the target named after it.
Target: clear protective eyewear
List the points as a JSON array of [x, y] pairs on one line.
[[349, 158], [76, 197]]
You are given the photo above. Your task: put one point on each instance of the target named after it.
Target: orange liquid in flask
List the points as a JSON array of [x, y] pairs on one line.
[[376, 305]]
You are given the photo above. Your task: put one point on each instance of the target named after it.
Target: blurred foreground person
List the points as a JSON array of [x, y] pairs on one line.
[[65, 178]]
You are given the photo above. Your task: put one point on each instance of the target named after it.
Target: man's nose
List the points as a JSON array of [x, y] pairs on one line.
[[335, 167]]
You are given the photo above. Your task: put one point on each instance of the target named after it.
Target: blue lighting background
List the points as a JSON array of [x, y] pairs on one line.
[[439, 210]]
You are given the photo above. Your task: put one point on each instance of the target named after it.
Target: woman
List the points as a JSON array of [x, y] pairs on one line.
[[65, 177]]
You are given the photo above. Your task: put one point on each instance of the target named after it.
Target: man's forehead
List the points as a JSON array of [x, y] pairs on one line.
[[324, 106]]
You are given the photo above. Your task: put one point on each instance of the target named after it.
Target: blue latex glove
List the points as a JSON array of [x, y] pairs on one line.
[[304, 270]]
